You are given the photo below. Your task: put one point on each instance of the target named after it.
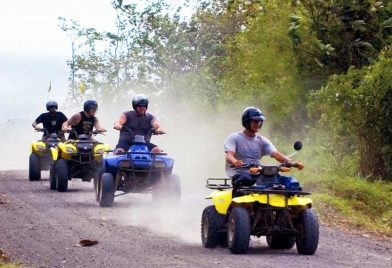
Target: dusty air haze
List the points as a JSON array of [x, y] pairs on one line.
[[33, 55]]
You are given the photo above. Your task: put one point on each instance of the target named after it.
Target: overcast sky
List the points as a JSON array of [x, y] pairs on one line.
[[34, 51]]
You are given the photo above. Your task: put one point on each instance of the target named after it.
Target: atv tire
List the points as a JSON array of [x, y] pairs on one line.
[[97, 187], [52, 177], [107, 190], [211, 228], [308, 232], [34, 168], [238, 230], [281, 241], [62, 175]]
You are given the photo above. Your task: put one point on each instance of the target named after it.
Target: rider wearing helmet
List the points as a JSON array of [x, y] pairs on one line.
[[51, 121], [138, 122], [85, 121], [248, 147]]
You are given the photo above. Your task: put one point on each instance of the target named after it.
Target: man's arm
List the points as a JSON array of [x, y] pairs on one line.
[[284, 159], [37, 121], [73, 121], [63, 118], [98, 126], [232, 160], [157, 126], [120, 122]]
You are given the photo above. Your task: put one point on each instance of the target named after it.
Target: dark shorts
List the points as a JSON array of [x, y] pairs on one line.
[[125, 145], [244, 179]]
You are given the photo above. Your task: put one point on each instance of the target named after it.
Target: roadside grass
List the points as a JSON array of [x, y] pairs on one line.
[[356, 204], [5, 261], [9, 265]]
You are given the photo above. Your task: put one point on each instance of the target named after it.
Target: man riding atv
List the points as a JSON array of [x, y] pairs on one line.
[[247, 147], [51, 121], [137, 122], [83, 122]]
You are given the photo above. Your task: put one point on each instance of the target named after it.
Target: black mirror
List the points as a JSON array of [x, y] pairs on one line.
[[298, 145]]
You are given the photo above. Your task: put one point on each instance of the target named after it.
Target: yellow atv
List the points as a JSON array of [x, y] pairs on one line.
[[283, 215], [80, 158], [42, 153]]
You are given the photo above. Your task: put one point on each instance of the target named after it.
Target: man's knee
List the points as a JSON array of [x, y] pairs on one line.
[[119, 151], [243, 180]]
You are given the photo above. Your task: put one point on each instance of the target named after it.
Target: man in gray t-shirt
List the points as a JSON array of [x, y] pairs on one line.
[[249, 147]]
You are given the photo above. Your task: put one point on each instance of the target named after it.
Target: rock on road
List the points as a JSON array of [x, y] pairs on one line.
[[41, 228]]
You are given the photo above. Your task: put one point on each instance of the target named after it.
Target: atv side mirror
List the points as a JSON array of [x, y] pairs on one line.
[[298, 145]]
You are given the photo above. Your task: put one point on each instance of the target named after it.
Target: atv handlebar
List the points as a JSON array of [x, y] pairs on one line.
[[254, 168], [152, 131]]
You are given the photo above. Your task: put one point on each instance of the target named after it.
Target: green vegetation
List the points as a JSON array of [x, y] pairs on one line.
[[320, 70]]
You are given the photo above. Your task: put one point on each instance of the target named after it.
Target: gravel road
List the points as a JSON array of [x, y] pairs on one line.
[[42, 228]]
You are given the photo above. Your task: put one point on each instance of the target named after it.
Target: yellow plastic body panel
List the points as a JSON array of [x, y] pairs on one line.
[[223, 200], [38, 147], [100, 150], [54, 152], [275, 200], [63, 150]]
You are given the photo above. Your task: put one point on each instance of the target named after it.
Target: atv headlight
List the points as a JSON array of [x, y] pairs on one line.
[[40, 147], [100, 151], [159, 165], [70, 150]]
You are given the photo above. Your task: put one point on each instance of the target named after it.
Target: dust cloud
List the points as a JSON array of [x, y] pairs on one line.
[[194, 140]]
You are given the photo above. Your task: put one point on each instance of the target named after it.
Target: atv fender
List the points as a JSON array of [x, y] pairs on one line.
[[67, 154], [100, 150], [275, 200], [38, 147], [221, 200], [54, 153]]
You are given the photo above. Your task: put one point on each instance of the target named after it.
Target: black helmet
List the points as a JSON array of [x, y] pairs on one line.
[[50, 104], [139, 99], [90, 104], [249, 114]]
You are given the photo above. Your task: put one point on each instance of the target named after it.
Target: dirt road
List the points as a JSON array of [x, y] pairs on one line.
[[41, 228]]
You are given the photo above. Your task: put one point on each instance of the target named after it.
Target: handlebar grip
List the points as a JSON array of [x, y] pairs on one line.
[[294, 164]]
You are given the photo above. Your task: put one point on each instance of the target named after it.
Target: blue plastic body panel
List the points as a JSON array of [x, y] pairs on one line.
[[139, 158]]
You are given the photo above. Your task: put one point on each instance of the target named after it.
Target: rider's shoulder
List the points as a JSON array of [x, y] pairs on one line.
[[263, 139], [235, 135]]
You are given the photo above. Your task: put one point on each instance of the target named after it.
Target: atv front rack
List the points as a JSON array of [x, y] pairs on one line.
[[213, 183], [256, 190]]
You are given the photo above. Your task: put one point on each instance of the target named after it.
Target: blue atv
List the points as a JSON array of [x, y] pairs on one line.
[[137, 171]]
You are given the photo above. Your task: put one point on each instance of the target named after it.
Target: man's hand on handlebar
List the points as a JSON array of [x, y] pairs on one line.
[[117, 126], [99, 131], [66, 130], [159, 132], [297, 165], [238, 163]]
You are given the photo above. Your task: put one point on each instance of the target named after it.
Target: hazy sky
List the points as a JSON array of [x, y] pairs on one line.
[[33, 50]]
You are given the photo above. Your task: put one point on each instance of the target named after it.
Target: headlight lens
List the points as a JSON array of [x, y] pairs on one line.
[[40, 148], [69, 150], [159, 165]]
